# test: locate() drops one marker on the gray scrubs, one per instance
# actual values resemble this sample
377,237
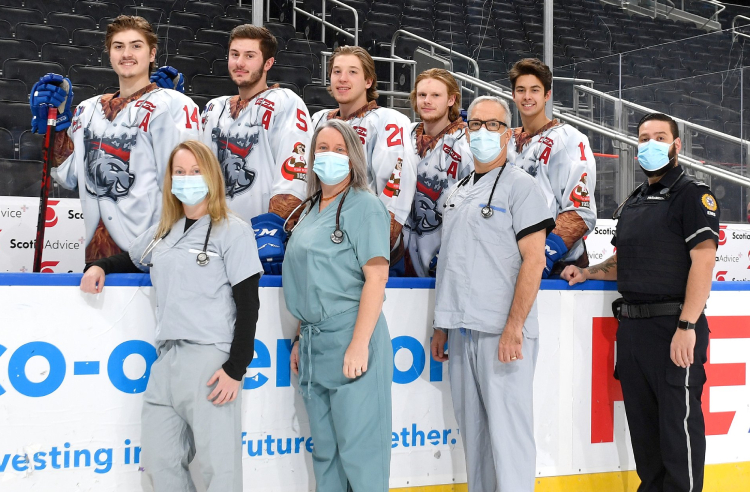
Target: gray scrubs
195,315
476,278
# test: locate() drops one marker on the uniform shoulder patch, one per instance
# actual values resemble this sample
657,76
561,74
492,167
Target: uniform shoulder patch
709,202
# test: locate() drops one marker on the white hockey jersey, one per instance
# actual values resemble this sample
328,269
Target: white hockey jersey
118,166
262,152
445,163
390,168
561,160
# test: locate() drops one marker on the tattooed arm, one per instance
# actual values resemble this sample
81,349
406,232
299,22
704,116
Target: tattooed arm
606,270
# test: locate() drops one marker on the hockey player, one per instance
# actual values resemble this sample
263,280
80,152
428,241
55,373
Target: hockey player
260,137
560,158
115,147
351,71
443,158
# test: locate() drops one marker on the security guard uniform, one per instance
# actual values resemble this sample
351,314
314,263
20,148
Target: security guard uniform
658,226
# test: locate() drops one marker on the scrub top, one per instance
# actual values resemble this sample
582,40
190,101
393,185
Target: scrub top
479,258
195,302
322,279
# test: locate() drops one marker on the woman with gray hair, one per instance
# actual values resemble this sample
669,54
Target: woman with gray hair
334,275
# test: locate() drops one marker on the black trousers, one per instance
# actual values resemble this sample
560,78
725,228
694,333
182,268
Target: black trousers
663,404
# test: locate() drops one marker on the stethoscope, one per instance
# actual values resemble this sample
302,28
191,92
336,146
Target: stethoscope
487,211
337,236
202,259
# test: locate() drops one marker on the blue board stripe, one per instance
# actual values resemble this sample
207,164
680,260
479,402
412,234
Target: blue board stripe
143,280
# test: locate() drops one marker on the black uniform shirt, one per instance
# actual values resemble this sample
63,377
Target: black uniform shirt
693,215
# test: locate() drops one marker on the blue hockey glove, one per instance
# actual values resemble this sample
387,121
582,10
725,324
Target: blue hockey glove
270,236
169,78
554,250
52,90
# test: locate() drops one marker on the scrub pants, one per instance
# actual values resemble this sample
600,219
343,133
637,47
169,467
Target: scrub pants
350,419
178,422
493,403
663,403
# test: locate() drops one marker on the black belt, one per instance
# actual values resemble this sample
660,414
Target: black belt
635,311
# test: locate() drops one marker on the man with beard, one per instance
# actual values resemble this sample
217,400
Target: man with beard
666,238
115,148
560,158
259,137
390,167
444,158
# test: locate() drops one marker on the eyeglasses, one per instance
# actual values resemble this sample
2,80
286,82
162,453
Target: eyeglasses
491,125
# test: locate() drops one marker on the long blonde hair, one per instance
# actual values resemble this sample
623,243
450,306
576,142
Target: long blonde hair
354,148
172,209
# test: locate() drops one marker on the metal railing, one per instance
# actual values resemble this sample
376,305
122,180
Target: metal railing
325,23
720,7
616,135
735,32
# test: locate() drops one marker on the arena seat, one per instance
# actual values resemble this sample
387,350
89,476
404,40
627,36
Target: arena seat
81,92
15,15
190,66
190,20
213,36
13,90
47,6
99,77
222,23
306,46
97,10
285,85
15,117
30,146
280,30
176,33
6,30
210,9
41,34
295,59
212,84
209,51
68,55
88,37
243,12
71,22
20,49
299,76
220,68
318,95
7,145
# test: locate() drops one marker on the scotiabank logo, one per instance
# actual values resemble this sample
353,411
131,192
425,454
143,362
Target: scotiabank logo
605,389
722,235
50,216
720,275
48,266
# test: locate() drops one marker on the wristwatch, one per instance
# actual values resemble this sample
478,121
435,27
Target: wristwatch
685,325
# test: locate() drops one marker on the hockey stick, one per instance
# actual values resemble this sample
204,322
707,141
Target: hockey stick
47,151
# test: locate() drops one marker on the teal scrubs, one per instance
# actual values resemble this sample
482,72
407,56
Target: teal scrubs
350,419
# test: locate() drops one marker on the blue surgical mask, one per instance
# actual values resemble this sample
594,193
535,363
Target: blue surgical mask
331,167
190,190
653,155
485,145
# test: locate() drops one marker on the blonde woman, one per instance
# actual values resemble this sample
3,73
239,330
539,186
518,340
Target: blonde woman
334,273
204,267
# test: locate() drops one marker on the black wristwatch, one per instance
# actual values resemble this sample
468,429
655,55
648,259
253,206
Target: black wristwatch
296,339
685,325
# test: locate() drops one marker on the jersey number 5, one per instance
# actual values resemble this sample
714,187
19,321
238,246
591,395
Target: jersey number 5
189,117
397,135
301,123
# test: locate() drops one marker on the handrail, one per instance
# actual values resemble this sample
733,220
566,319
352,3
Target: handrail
688,124
720,7
735,32
432,45
325,23
613,134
